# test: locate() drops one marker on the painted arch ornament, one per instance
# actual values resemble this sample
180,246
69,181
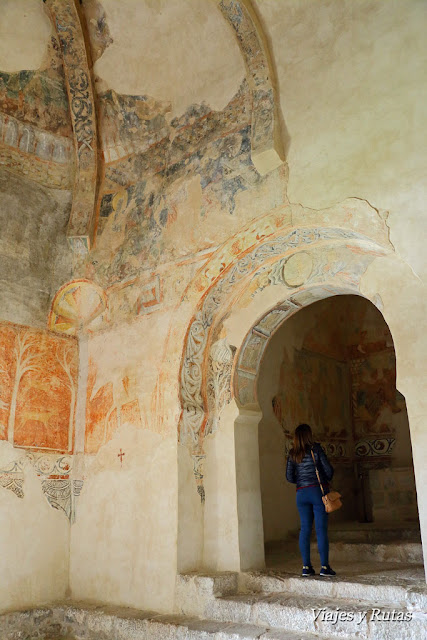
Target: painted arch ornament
334,261
79,306
65,15
267,147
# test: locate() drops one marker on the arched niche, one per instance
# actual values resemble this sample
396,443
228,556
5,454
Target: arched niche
220,515
332,365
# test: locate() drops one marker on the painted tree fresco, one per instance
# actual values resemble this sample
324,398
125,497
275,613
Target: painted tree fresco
119,402
38,386
65,356
101,414
7,373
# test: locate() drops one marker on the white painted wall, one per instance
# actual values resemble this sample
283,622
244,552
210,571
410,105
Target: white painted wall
188,51
25,30
34,544
123,544
352,89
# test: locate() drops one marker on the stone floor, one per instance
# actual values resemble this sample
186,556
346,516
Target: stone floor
379,581
275,604
352,543
365,601
385,570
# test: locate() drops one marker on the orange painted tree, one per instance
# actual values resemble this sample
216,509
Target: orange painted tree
28,359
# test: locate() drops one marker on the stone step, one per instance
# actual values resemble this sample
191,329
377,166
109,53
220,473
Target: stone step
278,600
114,623
245,617
370,533
407,552
325,616
184,628
371,589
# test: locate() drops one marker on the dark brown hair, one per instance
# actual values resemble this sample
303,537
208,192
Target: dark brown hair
303,441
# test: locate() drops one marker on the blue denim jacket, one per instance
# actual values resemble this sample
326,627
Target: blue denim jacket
303,474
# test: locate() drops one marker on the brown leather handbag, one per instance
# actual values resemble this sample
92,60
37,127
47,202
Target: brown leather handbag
331,500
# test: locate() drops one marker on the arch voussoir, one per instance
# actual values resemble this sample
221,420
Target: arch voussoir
304,264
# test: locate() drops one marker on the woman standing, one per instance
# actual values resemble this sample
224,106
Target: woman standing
300,470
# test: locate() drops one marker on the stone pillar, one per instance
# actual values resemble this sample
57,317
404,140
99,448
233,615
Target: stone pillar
221,525
249,506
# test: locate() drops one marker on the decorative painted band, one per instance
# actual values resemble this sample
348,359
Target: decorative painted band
192,374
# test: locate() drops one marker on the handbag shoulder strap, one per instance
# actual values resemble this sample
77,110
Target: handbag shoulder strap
317,472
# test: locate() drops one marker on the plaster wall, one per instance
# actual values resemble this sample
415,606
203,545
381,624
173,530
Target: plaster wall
25,30
352,92
222,513
124,541
123,544
405,309
34,543
249,504
190,539
177,183
196,51
34,256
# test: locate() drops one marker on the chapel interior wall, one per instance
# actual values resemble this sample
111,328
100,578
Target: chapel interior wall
38,392
34,541
159,221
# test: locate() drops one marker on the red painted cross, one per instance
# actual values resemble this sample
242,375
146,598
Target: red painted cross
120,455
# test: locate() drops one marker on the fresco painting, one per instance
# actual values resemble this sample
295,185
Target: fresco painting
192,166
313,389
78,306
38,97
357,332
116,403
131,413
7,374
101,414
342,380
35,124
375,397
38,387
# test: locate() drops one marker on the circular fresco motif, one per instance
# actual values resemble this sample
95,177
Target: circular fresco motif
297,269
78,306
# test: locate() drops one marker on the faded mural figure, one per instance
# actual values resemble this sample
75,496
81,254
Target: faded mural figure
65,357
116,403
101,417
26,355
110,422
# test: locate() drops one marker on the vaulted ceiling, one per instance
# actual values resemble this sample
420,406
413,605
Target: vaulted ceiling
95,96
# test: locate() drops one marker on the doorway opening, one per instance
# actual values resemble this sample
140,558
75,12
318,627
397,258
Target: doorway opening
333,365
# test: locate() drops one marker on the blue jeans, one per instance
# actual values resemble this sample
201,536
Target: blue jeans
310,506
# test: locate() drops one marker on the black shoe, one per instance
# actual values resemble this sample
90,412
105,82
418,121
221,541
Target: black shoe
327,571
308,571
